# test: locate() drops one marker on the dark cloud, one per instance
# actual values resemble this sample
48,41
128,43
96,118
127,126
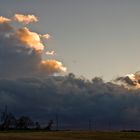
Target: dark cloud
75,100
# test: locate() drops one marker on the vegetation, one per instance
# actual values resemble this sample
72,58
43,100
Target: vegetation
70,135
24,128
10,122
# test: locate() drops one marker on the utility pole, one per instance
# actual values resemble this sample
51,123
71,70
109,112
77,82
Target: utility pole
94,125
57,125
109,125
6,110
89,125
4,113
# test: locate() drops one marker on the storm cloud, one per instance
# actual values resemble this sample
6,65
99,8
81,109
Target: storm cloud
76,100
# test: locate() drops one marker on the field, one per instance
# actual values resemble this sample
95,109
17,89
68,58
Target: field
70,135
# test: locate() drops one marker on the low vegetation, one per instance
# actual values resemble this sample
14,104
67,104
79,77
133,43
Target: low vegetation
70,135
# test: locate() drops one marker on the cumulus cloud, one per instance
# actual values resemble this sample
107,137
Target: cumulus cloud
50,52
130,80
21,51
52,66
25,19
30,39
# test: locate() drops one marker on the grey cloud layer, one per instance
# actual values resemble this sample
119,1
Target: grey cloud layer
72,98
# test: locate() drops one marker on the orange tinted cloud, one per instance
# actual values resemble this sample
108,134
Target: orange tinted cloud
46,36
26,19
135,78
131,81
50,52
30,39
20,38
4,20
52,66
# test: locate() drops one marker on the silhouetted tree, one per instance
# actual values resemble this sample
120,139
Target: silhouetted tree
37,126
49,127
9,121
24,122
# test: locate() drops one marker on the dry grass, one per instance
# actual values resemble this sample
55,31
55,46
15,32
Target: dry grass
70,135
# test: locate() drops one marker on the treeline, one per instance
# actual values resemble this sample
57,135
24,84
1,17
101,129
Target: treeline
10,122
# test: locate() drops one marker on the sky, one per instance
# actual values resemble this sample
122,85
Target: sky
91,37
47,46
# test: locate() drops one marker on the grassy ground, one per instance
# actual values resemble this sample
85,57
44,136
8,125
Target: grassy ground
70,135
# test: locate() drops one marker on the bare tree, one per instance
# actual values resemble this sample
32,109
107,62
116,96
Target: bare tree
24,122
49,127
37,126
